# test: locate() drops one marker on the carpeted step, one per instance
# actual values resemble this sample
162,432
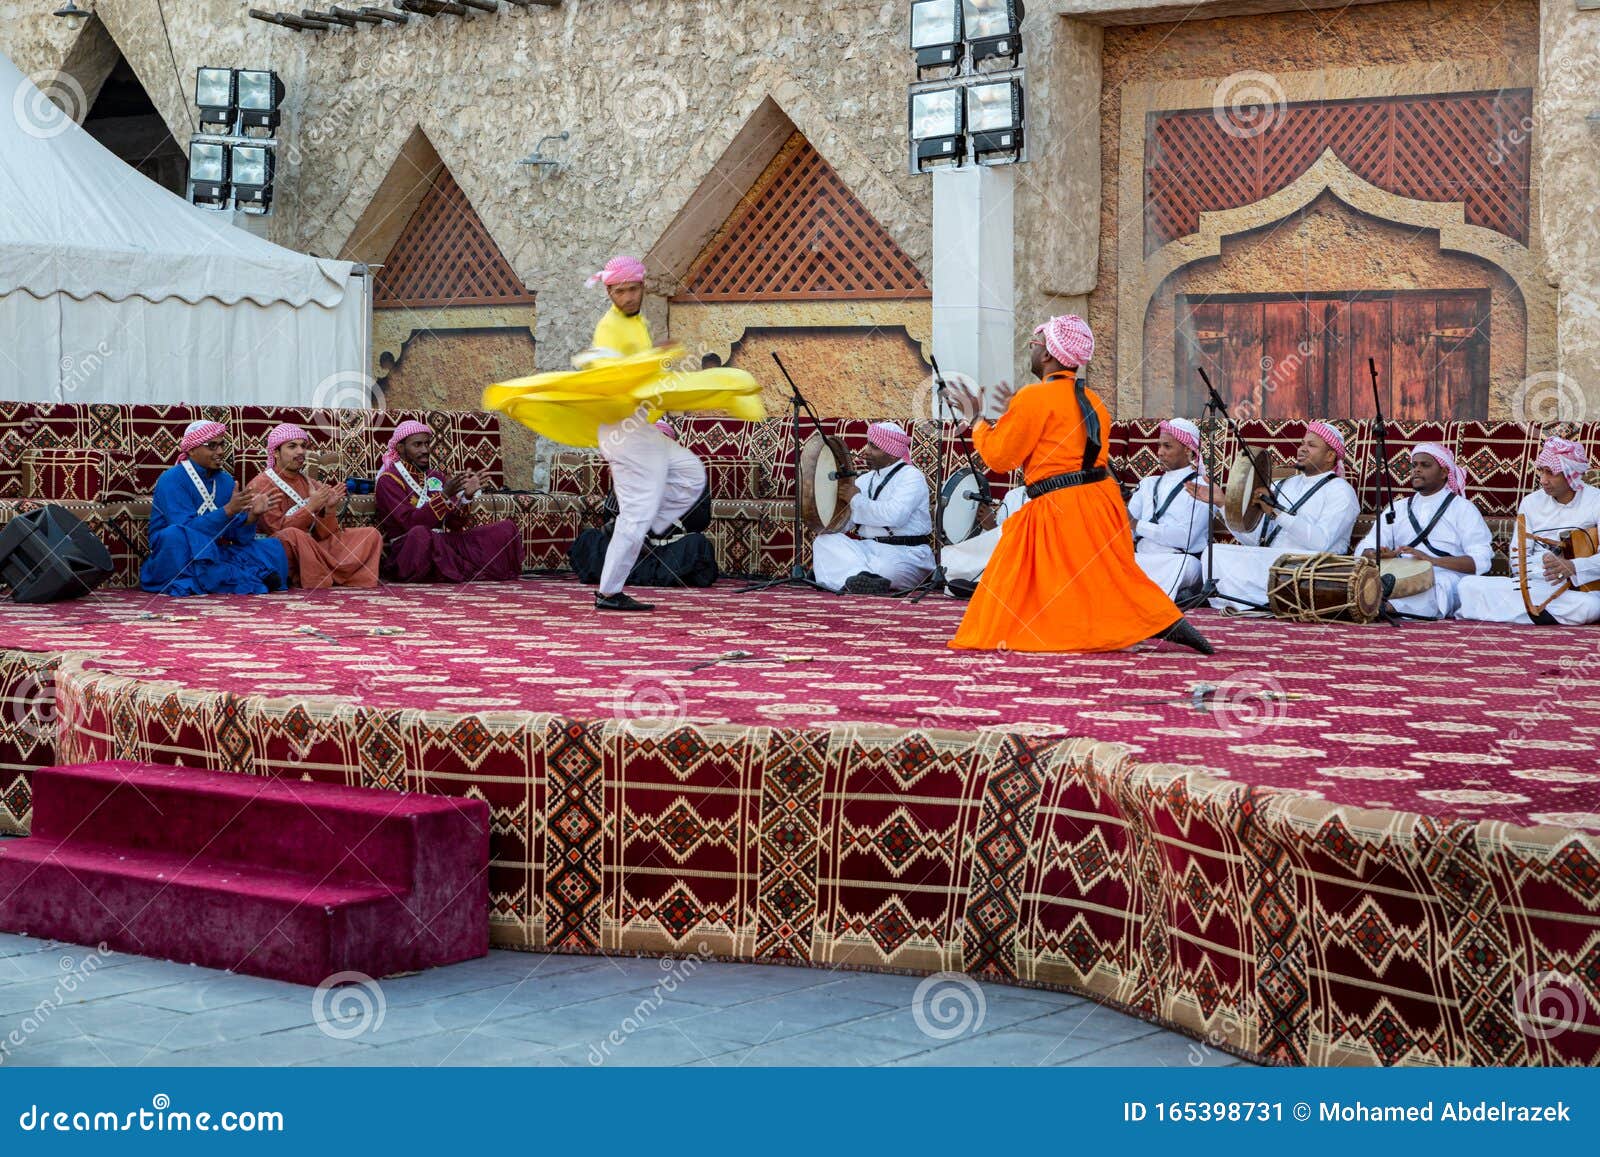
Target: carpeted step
272,877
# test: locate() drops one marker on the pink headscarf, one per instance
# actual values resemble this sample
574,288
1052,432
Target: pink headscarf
1566,458
1068,339
401,432
278,435
1333,438
1184,431
891,438
198,434
1455,476
619,270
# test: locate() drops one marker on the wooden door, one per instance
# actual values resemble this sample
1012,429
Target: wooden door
1285,356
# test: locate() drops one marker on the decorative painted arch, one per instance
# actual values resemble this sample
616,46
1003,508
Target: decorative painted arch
1327,175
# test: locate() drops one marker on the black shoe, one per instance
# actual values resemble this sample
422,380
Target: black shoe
961,588
620,601
1545,619
1386,581
1183,633
866,583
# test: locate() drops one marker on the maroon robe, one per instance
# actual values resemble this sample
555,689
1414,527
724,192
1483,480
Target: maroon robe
434,541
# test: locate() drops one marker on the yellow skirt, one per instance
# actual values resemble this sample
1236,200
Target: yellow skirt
570,406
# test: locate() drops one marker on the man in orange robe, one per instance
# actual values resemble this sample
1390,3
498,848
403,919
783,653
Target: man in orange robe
303,515
1063,577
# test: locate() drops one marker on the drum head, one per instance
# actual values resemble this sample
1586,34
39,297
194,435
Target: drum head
959,507
1412,576
820,504
1244,476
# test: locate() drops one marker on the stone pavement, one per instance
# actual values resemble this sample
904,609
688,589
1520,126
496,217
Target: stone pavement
65,1005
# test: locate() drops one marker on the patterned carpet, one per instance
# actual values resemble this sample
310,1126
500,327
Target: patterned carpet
1463,720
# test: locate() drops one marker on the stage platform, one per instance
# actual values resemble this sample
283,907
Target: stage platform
1367,845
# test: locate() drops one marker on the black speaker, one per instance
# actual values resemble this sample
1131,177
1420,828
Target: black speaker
48,554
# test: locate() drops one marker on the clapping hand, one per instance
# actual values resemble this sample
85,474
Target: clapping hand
239,503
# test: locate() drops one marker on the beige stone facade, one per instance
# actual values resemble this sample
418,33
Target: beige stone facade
666,99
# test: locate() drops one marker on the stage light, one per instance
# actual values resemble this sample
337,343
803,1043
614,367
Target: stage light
936,33
252,168
260,94
214,94
935,116
993,28
994,118
208,173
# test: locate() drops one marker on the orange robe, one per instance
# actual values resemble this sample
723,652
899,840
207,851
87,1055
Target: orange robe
1063,577
321,553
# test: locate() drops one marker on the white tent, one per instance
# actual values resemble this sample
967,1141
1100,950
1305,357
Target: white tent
113,289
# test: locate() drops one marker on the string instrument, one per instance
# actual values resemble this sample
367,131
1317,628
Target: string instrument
1581,543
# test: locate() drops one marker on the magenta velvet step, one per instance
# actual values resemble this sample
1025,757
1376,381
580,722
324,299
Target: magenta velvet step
271,877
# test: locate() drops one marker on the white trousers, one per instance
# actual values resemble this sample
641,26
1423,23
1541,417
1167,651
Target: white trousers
1176,573
964,561
1499,600
1242,574
836,557
656,481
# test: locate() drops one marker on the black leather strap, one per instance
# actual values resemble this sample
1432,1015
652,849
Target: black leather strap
1091,422
1172,496
1062,481
1424,531
1271,536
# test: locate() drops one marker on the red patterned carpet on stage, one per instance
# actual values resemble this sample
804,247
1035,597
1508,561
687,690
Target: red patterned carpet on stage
1457,719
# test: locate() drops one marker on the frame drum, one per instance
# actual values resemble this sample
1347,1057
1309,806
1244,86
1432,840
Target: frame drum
824,496
959,506
1244,477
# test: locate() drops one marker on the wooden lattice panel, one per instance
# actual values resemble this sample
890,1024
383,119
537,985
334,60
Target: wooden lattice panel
445,256
1468,147
801,235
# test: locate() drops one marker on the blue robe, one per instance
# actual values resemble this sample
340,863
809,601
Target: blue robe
206,554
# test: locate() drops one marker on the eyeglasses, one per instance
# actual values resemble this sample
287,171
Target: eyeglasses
215,446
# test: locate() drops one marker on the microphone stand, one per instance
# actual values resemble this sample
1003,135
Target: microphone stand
1383,492
797,572
936,581
1213,407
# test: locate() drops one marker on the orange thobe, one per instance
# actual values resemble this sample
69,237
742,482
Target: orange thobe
1063,577
321,553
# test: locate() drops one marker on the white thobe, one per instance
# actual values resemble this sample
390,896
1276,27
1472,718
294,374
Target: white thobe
1322,525
657,481
964,561
1499,599
1461,530
1167,548
888,503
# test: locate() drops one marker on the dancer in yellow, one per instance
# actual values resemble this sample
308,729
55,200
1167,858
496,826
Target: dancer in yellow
623,384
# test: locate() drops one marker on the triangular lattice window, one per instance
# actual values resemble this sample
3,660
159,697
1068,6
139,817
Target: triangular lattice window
445,256
801,234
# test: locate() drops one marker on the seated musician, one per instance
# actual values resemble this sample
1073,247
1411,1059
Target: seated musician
1436,523
964,561
427,527
203,538
304,517
1311,512
890,549
1169,526
1562,504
